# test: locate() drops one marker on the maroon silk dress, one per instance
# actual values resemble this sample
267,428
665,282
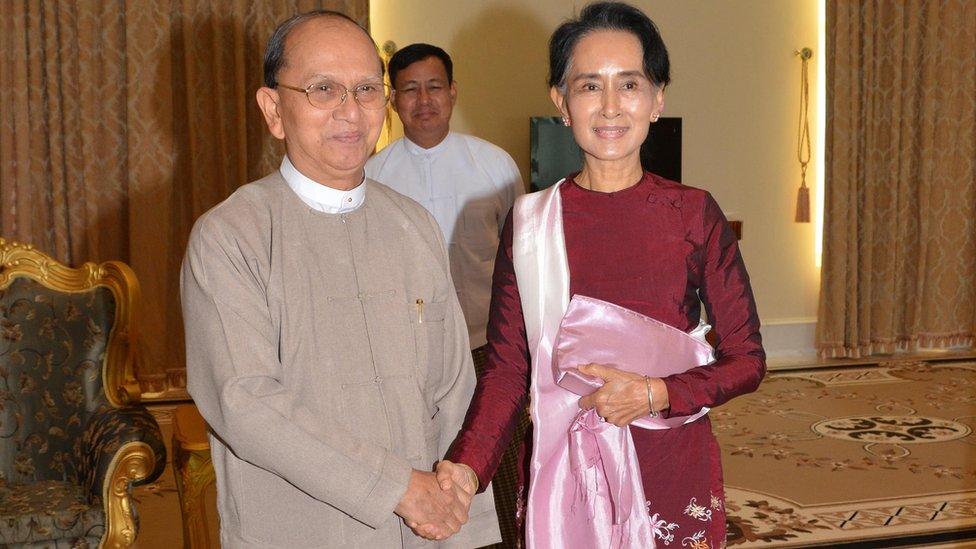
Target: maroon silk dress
657,248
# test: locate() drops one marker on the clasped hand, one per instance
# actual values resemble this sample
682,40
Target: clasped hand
623,397
436,504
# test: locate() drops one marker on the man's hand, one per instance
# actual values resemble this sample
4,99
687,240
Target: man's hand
430,512
623,397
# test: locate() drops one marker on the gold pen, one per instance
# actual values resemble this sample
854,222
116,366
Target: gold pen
420,311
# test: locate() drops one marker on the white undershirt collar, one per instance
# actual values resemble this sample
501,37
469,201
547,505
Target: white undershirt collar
414,148
321,197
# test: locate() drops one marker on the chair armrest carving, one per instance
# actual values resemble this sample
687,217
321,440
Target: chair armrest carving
122,448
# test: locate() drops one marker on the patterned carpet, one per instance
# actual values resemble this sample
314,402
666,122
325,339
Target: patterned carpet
860,455
866,457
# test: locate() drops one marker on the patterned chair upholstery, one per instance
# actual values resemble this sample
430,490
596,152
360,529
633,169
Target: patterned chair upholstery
73,440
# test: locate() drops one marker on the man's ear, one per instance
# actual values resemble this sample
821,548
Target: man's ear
268,102
453,92
393,101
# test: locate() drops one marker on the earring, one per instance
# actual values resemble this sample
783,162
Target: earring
655,117
565,121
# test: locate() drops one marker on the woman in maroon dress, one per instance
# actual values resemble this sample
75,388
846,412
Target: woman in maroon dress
642,242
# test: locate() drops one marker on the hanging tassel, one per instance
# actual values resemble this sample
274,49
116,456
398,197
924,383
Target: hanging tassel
803,204
803,139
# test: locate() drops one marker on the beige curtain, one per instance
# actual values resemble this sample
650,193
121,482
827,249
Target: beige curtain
899,265
121,122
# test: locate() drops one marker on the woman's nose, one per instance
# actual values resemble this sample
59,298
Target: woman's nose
611,104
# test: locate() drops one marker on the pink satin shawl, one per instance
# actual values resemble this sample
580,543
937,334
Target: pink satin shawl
599,332
585,488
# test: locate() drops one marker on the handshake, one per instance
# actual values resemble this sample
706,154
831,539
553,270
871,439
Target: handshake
436,504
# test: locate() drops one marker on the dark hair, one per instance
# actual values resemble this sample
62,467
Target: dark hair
274,54
418,52
609,16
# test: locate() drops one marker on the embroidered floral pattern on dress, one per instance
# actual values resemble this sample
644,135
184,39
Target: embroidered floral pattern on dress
663,530
697,511
716,502
696,541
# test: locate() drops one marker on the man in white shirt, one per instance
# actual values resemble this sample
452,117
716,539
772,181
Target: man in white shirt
466,183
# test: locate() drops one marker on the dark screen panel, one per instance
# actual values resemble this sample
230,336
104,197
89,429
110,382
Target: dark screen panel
554,153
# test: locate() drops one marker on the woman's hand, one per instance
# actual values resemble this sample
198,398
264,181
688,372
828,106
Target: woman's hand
450,474
623,397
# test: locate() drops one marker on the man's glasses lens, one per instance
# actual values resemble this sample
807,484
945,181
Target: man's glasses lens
328,95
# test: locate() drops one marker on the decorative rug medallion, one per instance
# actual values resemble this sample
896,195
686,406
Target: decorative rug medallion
892,429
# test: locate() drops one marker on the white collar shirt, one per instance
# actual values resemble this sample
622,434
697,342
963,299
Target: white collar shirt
321,197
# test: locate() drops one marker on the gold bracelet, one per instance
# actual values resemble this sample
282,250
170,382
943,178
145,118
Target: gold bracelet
650,396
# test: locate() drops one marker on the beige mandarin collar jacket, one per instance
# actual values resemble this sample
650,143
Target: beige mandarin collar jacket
329,355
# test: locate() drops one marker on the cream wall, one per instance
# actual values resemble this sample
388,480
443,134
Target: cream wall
735,83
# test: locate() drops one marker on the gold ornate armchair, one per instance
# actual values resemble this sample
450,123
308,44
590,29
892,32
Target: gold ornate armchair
73,440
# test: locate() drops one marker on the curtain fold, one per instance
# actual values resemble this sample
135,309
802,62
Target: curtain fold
899,264
121,122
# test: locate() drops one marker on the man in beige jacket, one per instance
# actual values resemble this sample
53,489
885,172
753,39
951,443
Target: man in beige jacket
325,344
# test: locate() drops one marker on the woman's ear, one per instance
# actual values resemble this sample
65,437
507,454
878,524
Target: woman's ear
659,99
559,99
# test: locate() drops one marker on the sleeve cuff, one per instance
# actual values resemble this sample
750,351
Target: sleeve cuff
385,493
483,480
678,401
479,466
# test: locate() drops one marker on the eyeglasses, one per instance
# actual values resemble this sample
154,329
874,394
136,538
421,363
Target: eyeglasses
330,95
